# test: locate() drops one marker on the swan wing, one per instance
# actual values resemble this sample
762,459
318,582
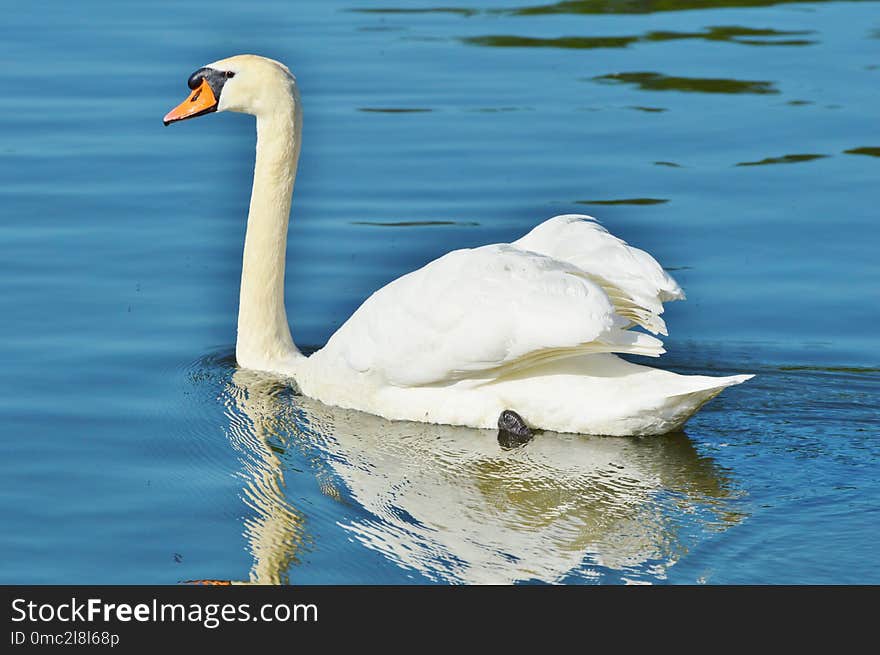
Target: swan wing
479,314
636,284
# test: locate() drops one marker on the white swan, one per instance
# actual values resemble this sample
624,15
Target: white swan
528,326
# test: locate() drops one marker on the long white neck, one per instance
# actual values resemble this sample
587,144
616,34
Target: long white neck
264,341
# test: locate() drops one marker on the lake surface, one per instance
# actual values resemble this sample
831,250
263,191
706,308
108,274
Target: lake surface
738,141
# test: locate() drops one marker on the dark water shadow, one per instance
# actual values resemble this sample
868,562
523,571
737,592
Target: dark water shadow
638,6
870,151
728,34
833,369
395,110
415,223
625,201
461,11
586,7
785,159
650,81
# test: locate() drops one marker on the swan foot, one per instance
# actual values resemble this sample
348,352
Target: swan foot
512,430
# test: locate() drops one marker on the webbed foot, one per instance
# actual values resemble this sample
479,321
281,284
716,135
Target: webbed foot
512,430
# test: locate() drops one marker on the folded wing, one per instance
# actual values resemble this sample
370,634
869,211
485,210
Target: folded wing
478,314
636,284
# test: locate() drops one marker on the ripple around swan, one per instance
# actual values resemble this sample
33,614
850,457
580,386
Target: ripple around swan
450,504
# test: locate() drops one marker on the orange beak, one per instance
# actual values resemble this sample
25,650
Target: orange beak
202,101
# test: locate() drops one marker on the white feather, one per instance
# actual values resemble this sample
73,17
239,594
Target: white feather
637,285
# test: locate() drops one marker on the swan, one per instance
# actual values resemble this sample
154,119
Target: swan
526,333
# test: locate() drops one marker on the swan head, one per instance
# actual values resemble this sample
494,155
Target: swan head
249,84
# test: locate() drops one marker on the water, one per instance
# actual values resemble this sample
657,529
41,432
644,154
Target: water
736,141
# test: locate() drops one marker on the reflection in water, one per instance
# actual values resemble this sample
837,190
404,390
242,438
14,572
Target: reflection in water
453,505
414,223
275,530
508,41
395,110
659,82
832,369
785,159
586,7
625,201
867,150
730,34
462,11
638,6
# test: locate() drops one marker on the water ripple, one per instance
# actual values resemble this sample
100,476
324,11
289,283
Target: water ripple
650,81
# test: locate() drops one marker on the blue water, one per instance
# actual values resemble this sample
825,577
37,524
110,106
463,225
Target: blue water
739,145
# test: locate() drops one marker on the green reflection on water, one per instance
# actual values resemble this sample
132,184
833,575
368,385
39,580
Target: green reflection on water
414,223
658,82
587,7
461,11
585,42
833,369
785,159
864,150
725,33
625,201
638,6
394,110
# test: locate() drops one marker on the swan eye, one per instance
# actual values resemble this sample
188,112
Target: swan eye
229,74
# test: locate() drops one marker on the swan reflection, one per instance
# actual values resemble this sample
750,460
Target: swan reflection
455,506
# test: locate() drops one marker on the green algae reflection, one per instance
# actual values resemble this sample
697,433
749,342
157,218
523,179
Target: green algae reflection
636,6
658,82
724,33
585,7
870,151
785,159
625,201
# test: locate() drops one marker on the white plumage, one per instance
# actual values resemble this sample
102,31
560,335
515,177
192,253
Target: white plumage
529,326
479,314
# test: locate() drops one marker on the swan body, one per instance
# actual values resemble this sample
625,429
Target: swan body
533,326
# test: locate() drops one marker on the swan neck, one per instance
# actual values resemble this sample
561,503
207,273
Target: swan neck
264,340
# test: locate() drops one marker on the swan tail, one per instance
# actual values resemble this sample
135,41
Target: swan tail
678,408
